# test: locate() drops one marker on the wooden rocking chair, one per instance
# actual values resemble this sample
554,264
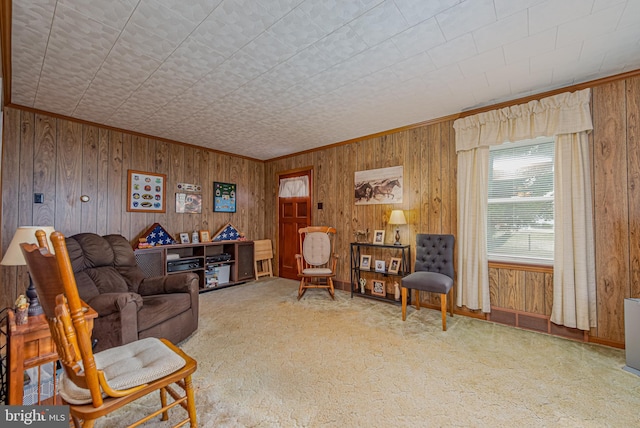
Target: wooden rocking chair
317,259
97,384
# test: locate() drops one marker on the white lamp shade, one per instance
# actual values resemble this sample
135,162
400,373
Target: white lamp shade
13,256
397,217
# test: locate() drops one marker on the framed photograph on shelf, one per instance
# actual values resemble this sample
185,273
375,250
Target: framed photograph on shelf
394,265
365,261
378,237
204,236
146,192
224,197
184,238
378,288
380,266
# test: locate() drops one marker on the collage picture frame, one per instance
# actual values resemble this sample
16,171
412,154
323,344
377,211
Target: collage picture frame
378,288
146,192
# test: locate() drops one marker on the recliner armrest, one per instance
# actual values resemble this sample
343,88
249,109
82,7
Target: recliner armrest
109,303
178,283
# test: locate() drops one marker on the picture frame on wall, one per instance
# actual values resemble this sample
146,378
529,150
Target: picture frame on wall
146,192
224,197
188,203
379,186
378,288
378,237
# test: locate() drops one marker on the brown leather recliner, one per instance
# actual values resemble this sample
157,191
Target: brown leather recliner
130,306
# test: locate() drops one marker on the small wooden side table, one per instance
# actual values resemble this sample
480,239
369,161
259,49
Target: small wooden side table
30,345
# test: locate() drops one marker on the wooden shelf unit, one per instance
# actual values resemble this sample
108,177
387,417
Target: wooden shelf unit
203,259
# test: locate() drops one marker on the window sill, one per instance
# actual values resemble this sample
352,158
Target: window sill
529,267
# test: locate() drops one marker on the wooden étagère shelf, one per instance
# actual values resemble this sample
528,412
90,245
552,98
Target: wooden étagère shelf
378,252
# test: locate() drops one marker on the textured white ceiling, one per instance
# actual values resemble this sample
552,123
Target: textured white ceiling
267,78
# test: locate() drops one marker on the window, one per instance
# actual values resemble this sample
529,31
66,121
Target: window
520,205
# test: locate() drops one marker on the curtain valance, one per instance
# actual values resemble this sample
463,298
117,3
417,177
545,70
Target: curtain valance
564,113
295,187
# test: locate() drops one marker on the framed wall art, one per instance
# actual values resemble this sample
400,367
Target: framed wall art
224,197
379,186
189,203
146,192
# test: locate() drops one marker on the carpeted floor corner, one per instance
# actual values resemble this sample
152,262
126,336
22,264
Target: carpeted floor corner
266,359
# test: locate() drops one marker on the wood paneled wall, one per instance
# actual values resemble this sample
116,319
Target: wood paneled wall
64,159
429,200
429,162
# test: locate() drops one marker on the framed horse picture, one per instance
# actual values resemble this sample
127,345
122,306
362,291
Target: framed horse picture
379,186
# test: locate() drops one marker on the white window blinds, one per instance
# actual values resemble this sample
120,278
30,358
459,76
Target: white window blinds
520,216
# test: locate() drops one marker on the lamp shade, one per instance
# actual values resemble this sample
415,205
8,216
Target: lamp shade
397,217
13,256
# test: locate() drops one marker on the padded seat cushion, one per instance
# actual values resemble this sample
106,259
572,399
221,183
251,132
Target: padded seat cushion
428,281
316,271
316,248
133,364
158,308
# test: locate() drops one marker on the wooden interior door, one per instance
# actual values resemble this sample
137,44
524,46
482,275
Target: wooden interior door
293,213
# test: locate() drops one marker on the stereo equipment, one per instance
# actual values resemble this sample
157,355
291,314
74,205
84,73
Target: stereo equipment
178,265
222,257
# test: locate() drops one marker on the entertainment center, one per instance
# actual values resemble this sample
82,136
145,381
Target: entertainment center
218,264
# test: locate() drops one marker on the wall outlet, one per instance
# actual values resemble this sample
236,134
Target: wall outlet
38,198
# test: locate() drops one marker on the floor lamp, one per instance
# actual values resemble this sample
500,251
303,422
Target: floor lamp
14,257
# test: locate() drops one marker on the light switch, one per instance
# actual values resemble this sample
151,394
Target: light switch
38,198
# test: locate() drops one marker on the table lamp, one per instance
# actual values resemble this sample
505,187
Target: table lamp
14,257
397,218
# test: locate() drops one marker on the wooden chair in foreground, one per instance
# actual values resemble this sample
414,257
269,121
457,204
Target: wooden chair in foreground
317,259
433,271
97,384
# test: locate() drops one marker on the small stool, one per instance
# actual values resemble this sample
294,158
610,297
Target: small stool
262,257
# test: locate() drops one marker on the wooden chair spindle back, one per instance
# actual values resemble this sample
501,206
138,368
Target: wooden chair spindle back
55,283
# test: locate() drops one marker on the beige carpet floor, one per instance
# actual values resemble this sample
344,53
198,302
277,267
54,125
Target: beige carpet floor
268,360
